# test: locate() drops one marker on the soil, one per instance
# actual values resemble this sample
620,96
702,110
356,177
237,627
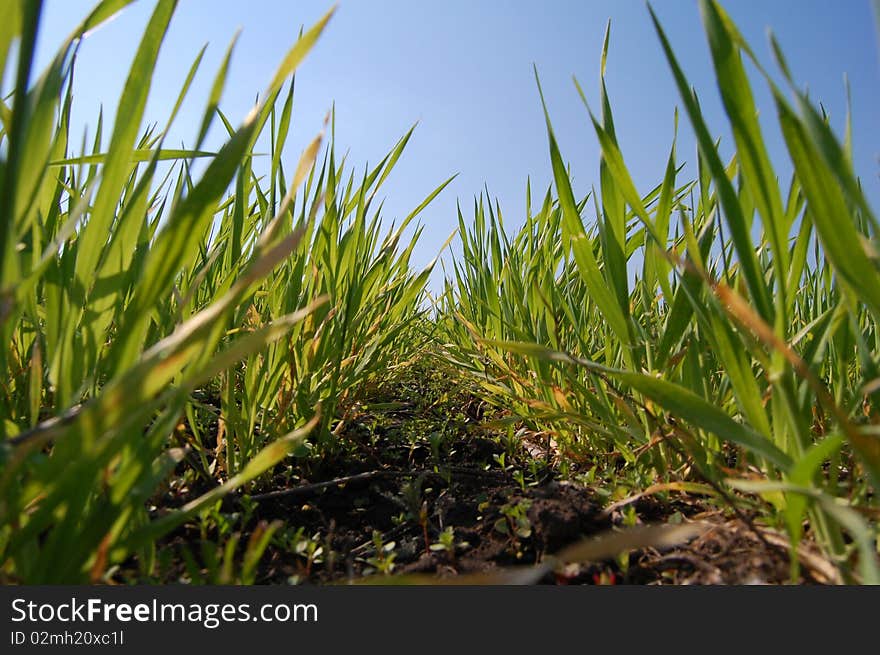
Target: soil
389,511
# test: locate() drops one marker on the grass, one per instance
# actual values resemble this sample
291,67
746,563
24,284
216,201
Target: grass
220,335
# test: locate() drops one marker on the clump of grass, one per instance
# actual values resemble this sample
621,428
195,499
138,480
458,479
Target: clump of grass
153,322
743,353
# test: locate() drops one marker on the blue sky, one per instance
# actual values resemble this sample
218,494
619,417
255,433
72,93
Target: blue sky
463,70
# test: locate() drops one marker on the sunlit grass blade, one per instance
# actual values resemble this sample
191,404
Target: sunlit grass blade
580,243
726,193
122,143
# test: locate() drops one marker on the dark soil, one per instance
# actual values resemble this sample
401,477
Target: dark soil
448,511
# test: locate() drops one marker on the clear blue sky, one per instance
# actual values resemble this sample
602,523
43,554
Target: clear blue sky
463,70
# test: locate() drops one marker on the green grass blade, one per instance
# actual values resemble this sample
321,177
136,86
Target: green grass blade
727,196
116,169
754,161
580,243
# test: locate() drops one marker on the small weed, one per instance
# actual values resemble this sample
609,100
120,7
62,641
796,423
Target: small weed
384,555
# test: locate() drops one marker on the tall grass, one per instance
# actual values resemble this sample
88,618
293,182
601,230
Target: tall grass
743,355
156,323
